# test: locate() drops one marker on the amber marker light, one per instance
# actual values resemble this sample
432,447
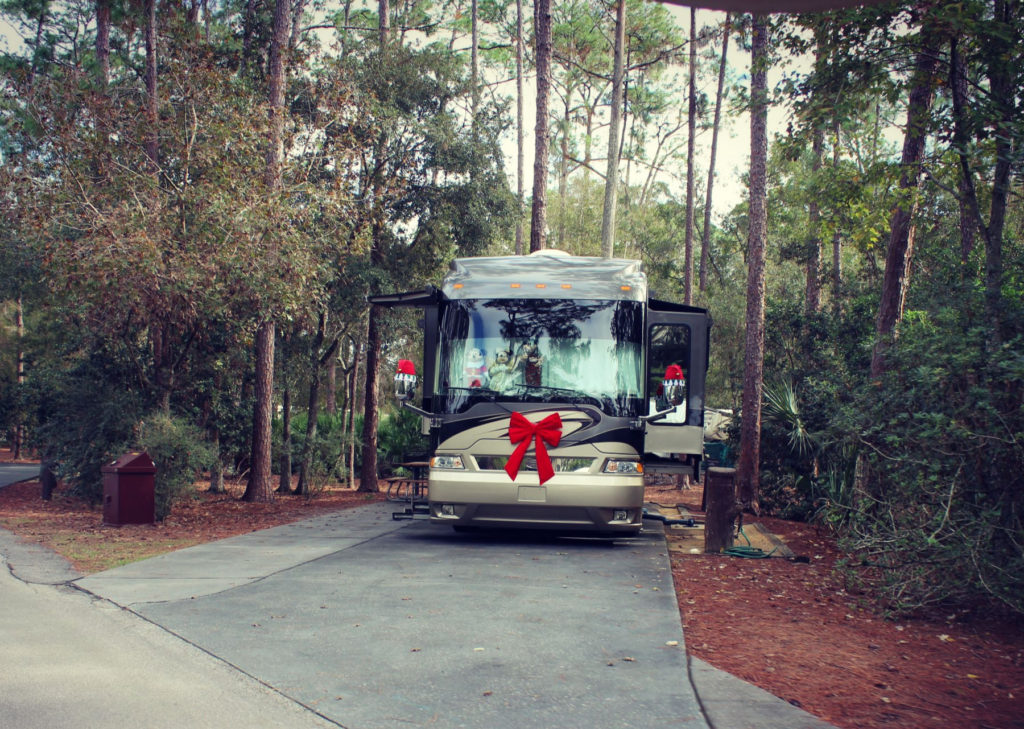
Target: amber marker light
625,288
458,286
542,286
516,286
566,286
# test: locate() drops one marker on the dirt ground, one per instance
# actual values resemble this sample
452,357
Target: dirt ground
789,626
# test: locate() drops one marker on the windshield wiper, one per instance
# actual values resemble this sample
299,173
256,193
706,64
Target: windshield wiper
483,391
568,394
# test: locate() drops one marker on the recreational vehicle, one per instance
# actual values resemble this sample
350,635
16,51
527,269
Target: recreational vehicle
551,384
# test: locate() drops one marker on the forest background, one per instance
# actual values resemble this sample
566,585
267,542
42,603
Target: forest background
198,197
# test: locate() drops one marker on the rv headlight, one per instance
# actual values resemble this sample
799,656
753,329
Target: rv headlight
446,462
623,468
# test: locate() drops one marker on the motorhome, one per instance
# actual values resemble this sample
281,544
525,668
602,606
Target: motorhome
550,384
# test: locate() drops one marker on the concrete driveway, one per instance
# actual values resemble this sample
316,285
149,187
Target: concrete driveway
374,623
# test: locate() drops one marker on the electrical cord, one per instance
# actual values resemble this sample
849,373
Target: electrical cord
688,521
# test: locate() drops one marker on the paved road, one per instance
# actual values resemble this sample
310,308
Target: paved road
356,620
15,472
70,660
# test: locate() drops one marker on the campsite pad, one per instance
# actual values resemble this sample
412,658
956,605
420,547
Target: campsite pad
690,540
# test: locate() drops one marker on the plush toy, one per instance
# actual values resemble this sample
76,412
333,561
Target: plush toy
532,362
503,371
476,368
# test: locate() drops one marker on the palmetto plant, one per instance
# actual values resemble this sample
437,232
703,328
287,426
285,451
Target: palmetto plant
781,408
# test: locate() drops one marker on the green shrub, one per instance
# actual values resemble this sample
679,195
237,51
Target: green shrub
86,418
179,453
397,436
936,513
327,449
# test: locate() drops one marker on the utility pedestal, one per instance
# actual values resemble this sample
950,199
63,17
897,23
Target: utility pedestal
722,508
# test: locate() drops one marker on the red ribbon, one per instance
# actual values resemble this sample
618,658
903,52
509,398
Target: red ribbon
522,431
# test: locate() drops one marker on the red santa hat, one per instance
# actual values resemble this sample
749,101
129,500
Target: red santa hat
405,367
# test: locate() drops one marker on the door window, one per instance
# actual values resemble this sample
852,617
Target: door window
668,352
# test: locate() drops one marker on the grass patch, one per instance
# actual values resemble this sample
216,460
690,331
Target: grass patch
96,552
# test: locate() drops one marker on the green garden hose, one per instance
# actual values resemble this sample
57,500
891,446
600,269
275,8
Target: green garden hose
747,552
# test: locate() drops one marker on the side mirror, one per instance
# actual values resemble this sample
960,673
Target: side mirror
675,391
405,380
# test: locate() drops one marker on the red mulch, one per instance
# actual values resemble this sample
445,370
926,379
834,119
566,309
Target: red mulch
796,630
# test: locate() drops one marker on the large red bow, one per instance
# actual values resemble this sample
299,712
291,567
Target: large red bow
522,431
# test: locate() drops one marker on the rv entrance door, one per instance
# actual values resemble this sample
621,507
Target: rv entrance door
677,338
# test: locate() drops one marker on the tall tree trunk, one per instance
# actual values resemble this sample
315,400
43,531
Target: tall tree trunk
103,40
298,7
474,62
901,228
37,44
998,58
259,488
217,467
611,180
748,465
958,87
152,136
563,163
312,409
331,406
520,144
690,171
353,383
368,473
304,487
248,31
705,244
278,78
812,291
837,240
384,22
284,484
542,34
343,36
19,327
317,362
163,367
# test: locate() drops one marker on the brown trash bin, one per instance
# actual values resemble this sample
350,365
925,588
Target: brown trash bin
129,490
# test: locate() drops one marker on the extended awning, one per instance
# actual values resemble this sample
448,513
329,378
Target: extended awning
425,297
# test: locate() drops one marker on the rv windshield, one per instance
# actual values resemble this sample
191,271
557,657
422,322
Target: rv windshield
542,350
